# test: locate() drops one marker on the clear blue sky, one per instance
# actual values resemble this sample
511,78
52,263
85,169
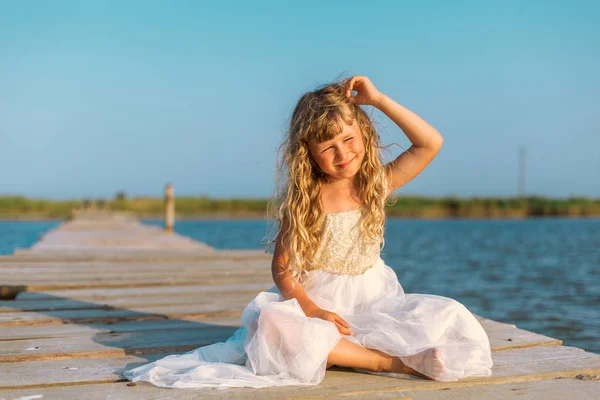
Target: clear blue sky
102,96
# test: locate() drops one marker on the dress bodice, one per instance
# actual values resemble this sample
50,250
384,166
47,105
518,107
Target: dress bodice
343,249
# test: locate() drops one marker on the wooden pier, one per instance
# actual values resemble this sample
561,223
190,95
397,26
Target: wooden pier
103,293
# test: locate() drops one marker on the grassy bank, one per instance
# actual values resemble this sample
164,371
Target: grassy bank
19,207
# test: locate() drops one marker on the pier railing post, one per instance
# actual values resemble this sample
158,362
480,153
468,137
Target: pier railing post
169,208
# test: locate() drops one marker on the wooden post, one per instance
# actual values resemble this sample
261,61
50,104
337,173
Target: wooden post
169,208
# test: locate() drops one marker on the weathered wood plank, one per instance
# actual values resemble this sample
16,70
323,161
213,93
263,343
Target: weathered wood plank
67,330
555,389
121,271
99,235
127,255
158,280
138,313
511,338
189,335
133,276
127,302
64,330
236,302
88,268
58,285
493,324
136,292
510,366
197,334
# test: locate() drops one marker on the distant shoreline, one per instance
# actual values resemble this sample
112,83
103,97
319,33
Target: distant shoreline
20,208
254,217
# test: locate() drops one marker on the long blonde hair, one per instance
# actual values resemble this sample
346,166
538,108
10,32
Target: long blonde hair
318,115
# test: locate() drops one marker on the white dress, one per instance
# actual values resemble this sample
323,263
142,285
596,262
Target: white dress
279,345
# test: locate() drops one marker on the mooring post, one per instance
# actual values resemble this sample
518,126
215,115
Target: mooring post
169,208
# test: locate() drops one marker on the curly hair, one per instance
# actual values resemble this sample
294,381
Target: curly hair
318,115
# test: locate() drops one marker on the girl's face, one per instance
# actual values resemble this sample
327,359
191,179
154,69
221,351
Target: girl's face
342,156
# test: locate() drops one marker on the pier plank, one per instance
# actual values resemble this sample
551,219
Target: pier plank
510,366
67,330
188,335
15,332
251,276
110,293
233,305
127,255
124,302
88,268
115,344
59,285
236,302
554,389
173,296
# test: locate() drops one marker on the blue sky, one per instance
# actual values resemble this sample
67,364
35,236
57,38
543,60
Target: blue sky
102,96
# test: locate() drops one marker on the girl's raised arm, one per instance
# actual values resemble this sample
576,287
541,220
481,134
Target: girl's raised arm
426,140
426,143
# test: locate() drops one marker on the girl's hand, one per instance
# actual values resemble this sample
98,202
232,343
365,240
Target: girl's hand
339,322
367,93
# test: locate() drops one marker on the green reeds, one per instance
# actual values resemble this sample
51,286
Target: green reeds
206,207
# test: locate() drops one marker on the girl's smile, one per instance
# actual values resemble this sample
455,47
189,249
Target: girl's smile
344,165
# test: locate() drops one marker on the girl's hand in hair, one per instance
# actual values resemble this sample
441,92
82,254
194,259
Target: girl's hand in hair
339,322
367,93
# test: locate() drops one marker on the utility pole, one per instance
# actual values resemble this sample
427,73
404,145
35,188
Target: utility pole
521,172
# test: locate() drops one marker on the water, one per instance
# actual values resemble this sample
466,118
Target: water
541,274
22,234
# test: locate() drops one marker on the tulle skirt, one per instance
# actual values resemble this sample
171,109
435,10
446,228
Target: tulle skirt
279,345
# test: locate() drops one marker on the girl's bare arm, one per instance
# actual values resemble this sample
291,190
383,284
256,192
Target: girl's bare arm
286,283
426,142
291,288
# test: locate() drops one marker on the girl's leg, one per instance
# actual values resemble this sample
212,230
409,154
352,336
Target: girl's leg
277,325
348,354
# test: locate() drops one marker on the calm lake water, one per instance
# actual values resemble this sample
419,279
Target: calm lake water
541,274
22,234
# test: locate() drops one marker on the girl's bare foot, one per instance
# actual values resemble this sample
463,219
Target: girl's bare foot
395,365
399,367
428,362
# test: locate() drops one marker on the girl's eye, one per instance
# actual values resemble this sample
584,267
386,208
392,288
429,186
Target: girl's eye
331,147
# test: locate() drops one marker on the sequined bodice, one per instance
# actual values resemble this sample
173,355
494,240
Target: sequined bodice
343,250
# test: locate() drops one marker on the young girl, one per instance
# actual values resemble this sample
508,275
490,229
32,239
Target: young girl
335,301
